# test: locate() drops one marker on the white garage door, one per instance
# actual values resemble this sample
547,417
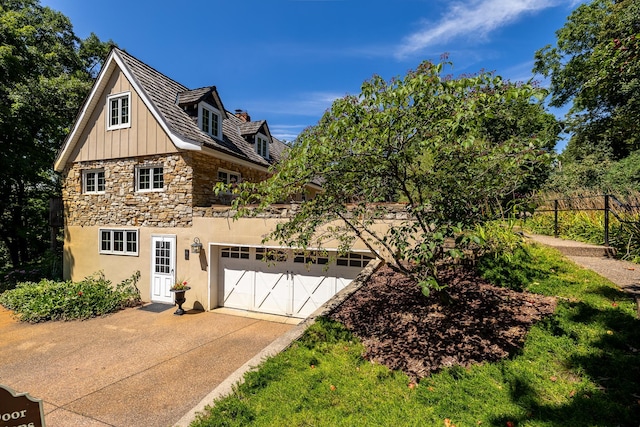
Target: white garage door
288,283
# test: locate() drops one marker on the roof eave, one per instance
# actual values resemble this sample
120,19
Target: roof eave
82,117
92,100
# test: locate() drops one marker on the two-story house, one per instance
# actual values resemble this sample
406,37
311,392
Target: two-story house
138,168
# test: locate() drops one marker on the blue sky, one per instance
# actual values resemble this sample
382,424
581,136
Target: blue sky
286,60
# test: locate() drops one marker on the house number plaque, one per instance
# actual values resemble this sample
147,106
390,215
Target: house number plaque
19,409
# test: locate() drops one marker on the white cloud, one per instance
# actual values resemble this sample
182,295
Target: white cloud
472,18
314,103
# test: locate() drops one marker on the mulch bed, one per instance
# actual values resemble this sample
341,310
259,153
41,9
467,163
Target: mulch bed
404,330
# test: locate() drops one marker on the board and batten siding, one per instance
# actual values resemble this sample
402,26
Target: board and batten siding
144,137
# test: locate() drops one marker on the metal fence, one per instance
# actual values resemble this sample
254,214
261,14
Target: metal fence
607,203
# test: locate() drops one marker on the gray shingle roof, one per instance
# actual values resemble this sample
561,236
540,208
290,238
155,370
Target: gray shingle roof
194,96
250,128
168,95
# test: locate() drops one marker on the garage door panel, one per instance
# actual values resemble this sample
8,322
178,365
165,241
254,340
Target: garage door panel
342,283
238,289
310,292
289,284
271,293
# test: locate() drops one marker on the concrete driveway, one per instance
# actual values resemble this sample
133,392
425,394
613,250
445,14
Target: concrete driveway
140,366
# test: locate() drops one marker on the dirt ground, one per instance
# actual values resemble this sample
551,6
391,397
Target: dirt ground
406,331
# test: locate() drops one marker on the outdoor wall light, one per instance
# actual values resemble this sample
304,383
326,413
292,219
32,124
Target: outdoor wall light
196,246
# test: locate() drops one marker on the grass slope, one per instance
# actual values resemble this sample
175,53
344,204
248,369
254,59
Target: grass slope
579,367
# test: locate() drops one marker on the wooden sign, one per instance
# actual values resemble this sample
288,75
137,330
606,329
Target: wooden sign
19,409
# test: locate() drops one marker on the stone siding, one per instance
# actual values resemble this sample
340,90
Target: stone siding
205,176
188,190
120,204
189,178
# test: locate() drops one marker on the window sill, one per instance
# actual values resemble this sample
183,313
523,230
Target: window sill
117,127
156,190
119,253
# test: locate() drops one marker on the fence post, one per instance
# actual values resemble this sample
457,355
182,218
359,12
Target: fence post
555,218
606,220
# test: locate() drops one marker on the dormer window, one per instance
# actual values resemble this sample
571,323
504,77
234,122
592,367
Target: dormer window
119,116
262,145
210,121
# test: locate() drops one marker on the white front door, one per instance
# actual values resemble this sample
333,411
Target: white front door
163,268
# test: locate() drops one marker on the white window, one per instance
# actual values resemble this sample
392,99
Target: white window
119,241
271,254
262,145
119,115
227,177
239,252
149,178
354,260
311,257
93,181
210,120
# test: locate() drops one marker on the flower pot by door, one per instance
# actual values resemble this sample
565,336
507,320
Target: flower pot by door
179,299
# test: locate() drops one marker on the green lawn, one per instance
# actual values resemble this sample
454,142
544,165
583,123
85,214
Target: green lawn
580,367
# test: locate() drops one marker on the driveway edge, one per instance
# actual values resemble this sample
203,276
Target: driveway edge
280,344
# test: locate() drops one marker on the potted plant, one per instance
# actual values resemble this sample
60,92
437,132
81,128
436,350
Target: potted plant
179,289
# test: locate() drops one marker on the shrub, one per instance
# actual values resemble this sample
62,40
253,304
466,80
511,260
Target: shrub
495,238
624,176
52,300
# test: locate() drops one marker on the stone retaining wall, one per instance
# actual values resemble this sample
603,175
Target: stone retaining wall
189,179
393,211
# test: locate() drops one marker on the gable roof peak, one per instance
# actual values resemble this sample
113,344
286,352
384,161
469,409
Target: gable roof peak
194,96
163,97
252,128
127,56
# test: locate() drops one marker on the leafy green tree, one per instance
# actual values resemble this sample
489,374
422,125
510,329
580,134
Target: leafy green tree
454,151
573,178
45,73
624,175
595,67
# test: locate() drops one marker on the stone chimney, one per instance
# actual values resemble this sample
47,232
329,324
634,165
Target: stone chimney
243,115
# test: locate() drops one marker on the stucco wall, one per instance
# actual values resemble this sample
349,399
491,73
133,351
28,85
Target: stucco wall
82,258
